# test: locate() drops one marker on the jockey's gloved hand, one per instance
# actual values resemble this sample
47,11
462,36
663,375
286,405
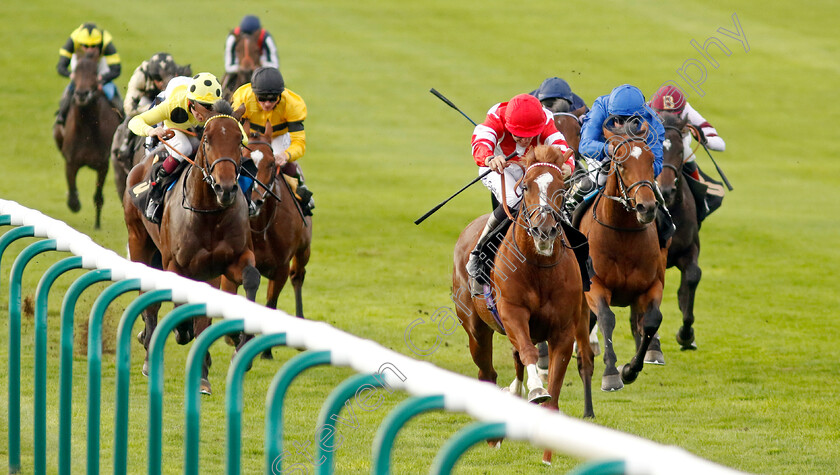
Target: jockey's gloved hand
497,163
701,136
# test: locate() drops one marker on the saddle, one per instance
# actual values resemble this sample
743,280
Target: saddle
708,194
139,193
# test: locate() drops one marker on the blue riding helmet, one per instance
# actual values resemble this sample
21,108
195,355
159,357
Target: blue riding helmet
553,88
249,24
626,100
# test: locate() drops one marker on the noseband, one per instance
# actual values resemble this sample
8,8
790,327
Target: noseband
626,200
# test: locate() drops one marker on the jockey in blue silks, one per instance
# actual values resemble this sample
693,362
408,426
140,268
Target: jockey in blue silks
624,103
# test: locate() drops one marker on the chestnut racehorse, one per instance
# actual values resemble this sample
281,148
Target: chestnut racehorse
281,237
248,53
85,138
628,264
203,233
537,288
685,245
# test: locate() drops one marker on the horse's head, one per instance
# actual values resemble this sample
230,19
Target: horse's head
568,122
219,153
672,156
85,79
260,151
543,194
631,169
248,51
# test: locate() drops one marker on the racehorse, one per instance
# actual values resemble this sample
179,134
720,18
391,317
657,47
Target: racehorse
685,244
85,137
536,286
628,264
203,233
248,53
568,123
280,235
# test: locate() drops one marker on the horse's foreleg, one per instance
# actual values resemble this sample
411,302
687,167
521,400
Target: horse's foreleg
72,192
516,387
276,285
690,279
559,353
297,275
515,320
651,318
597,299
585,358
150,315
98,199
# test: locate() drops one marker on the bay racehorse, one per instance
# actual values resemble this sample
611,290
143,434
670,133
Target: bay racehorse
628,263
536,287
248,51
568,123
85,138
279,232
203,233
684,250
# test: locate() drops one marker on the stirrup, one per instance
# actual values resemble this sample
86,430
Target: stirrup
304,193
152,211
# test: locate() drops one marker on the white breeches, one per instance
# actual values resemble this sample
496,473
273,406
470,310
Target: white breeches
493,182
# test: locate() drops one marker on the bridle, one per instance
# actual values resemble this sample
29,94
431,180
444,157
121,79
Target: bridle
677,169
627,201
270,220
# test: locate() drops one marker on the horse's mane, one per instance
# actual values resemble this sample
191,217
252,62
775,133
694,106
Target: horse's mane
670,120
543,154
630,128
223,107
560,105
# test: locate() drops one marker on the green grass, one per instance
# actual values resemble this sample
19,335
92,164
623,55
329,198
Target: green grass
757,395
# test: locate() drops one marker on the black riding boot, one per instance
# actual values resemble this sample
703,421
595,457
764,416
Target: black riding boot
478,259
64,106
664,223
153,212
579,190
306,202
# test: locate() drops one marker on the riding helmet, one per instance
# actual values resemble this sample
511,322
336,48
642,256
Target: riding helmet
626,100
668,98
249,24
267,81
204,88
525,116
89,35
162,66
553,88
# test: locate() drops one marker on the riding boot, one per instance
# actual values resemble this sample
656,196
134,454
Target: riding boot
63,106
576,194
306,202
476,262
664,223
156,195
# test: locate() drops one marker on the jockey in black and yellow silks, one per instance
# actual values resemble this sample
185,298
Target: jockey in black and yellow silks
83,40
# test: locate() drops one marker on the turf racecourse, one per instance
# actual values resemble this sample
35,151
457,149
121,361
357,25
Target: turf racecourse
759,394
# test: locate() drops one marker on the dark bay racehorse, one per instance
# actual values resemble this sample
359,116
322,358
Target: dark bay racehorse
568,123
85,138
537,288
623,244
280,236
685,245
248,53
204,230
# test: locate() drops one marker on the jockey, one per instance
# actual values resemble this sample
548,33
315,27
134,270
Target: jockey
266,99
268,51
556,95
514,126
671,99
148,80
86,39
186,107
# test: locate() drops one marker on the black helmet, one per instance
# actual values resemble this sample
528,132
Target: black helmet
162,66
267,81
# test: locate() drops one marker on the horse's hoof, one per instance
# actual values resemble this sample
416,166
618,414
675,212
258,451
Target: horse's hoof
627,375
73,203
266,355
141,337
145,370
183,337
611,382
686,343
538,396
494,443
654,357
547,462
205,387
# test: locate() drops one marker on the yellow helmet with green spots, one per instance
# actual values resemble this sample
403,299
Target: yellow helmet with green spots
204,88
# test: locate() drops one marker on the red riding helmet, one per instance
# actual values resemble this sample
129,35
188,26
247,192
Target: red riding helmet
668,98
524,116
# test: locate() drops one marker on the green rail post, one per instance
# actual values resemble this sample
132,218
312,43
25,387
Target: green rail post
274,404
609,467
94,393
14,355
65,398
324,460
15,290
459,443
156,345
383,443
233,394
41,308
5,219
129,316
192,397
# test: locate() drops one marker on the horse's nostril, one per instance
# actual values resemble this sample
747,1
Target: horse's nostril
259,202
234,188
217,188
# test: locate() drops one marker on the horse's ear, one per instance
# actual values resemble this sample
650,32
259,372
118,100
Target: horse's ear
239,112
268,129
643,130
608,133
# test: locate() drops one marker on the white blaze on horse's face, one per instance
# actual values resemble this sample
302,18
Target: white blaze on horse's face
666,144
636,152
256,156
542,182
